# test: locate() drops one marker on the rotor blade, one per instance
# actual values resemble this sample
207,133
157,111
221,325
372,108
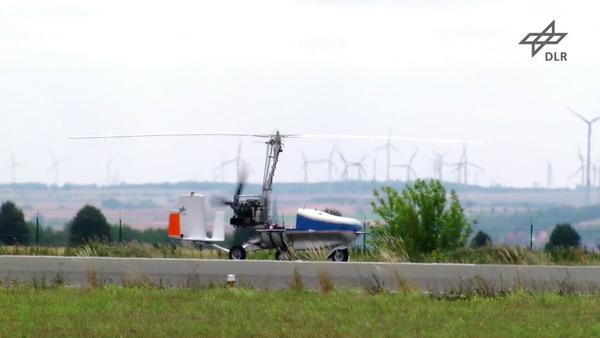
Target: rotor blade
343,158
412,157
332,150
225,163
220,200
169,135
242,177
386,137
578,115
476,166
576,172
335,167
324,160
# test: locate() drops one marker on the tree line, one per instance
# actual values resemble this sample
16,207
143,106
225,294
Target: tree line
89,224
422,218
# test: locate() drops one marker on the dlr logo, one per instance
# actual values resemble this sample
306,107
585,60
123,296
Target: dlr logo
553,56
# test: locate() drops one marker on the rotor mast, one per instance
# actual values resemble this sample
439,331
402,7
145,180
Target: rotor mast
274,147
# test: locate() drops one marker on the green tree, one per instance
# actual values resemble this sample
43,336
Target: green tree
480,240
88,225
13,228
423,216
563,235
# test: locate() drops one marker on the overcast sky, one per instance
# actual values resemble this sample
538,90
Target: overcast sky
419,68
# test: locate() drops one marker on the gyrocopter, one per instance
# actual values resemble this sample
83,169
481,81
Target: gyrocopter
313,229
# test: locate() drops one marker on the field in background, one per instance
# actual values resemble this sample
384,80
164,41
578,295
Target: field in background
504,213
210,312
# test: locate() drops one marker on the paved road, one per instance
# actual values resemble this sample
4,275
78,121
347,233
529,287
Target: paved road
81,271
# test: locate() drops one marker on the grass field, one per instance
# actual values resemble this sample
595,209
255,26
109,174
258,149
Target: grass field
145,311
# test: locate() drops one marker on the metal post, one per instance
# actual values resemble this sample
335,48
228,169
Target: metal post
120,229
37,229
365,224
531,235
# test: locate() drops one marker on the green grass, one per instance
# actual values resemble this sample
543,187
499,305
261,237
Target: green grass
115,311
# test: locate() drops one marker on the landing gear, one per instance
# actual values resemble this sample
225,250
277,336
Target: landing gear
237,252
282,255
339,255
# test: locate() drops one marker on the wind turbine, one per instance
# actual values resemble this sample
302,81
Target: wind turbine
306,163
329,160
388,147
549,175
54,168
438,165
107,171
330,163
375,169
463,164
596,174
581,169
408,166
13,165
360,169
237,160
589,124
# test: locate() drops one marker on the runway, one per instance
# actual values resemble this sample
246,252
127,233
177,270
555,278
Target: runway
84,271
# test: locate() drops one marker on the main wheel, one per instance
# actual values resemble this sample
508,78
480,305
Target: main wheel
339,255
237,252
282,255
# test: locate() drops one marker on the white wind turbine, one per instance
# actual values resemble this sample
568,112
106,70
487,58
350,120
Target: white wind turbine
54,167
360,169
581,169
549,175
410,171
12,166
587,169
388,147
237,160
438,165
462,166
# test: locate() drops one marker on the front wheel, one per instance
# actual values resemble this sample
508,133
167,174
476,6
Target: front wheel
339,255
237,252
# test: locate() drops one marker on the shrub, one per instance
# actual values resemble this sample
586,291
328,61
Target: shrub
481,239
563,236
89,225
423,215
13,228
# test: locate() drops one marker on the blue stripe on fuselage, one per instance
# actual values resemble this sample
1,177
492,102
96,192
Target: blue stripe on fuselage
304,223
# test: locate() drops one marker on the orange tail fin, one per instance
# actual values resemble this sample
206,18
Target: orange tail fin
174,226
